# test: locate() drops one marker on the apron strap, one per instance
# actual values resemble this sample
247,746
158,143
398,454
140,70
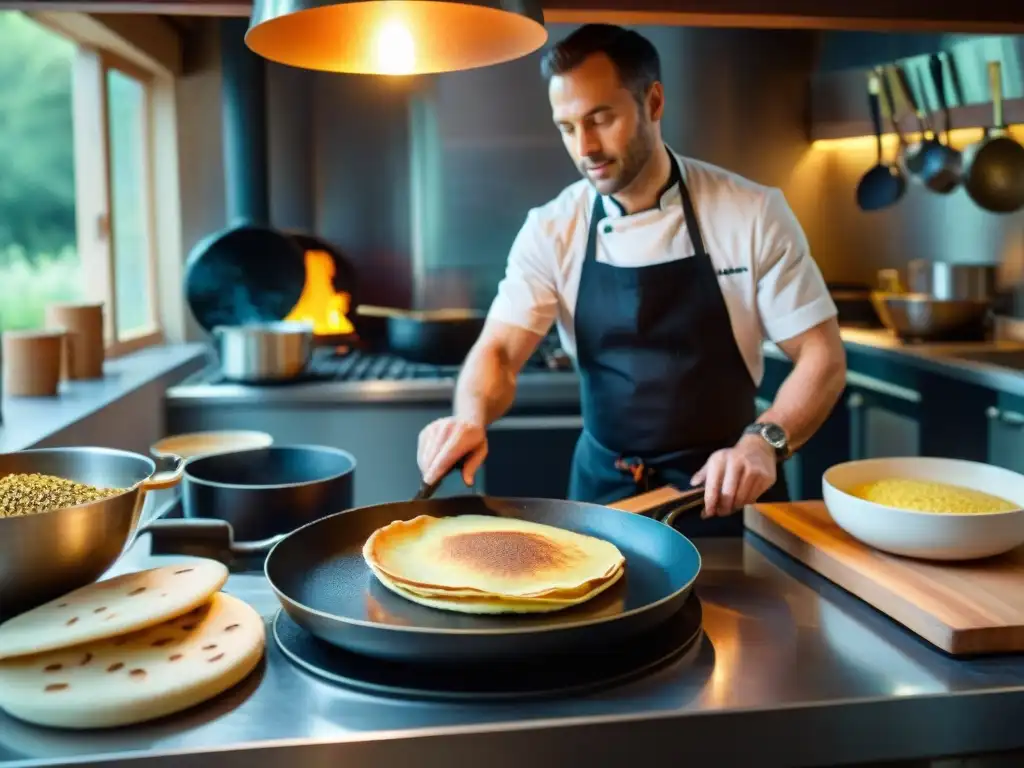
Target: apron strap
690,214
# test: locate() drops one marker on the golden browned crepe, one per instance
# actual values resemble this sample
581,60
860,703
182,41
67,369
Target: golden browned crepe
486,604
483,564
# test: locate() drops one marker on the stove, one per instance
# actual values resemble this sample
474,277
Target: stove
354,365
677,641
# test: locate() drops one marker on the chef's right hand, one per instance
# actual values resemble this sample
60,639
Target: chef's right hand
444,442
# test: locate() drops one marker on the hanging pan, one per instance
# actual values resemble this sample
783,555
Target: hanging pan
994,166
912,152
941,163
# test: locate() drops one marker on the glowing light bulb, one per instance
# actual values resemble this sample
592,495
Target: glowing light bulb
394,49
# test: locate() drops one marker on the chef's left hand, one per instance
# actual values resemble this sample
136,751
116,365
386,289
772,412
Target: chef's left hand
737,476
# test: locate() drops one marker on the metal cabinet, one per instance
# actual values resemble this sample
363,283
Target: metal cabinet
884,418
531,456
1006,433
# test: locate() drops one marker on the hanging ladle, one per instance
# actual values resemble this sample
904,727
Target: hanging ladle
883,184
941,163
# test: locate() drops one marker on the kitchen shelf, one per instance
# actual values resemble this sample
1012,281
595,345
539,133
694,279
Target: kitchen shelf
839,104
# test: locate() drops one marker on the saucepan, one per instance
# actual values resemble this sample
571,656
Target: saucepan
259,353
247,499
48,554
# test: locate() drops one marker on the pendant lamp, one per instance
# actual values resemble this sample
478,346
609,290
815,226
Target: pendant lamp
395,37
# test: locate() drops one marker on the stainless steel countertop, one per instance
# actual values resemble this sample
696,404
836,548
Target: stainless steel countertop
937,357
791,671
562,388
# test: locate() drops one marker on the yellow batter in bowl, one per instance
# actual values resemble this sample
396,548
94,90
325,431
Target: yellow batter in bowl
931,496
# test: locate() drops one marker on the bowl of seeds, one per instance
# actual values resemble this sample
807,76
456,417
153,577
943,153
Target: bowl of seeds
67,514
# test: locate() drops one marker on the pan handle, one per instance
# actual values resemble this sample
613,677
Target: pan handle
665,503
164,478
906,92
427,490
890,103
180,536
938,73
995,81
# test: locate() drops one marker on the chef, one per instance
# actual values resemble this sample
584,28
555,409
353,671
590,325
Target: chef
664,275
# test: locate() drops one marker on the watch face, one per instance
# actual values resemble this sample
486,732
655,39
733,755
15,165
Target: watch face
775,435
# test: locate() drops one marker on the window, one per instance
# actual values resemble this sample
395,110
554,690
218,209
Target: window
39,261
76,200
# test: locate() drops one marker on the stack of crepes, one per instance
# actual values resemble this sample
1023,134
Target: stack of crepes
486,565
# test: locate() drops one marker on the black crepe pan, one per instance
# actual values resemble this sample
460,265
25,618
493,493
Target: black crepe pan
994,167
324,585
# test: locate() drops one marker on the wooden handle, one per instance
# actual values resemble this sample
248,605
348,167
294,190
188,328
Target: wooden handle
654,499
367,310
995,83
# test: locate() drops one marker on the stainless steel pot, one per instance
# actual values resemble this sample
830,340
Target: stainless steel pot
46,555
264,352
953,282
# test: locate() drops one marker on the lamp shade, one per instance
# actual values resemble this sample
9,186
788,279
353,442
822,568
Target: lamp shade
395,37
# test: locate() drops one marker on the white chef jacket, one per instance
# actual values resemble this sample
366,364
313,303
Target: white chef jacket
772,286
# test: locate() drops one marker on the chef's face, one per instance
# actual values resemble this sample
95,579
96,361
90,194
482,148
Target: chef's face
609,134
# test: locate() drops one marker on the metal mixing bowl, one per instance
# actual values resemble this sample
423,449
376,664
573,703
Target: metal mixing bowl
919,316
46,555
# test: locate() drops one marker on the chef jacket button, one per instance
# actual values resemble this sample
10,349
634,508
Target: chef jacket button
608,228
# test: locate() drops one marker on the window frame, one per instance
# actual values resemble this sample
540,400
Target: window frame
94,192
98,49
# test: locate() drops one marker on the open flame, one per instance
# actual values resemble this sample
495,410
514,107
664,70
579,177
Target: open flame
320,305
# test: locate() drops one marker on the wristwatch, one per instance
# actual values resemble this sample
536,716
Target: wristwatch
772,434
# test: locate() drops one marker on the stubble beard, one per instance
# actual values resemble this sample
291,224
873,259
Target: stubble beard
638,152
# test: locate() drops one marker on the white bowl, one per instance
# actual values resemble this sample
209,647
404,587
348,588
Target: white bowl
926,535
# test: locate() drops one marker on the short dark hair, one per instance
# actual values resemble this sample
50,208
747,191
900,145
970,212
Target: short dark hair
633,55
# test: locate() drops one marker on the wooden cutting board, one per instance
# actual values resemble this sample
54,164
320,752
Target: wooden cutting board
962,608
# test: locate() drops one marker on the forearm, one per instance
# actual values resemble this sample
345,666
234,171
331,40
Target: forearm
486,386
808,395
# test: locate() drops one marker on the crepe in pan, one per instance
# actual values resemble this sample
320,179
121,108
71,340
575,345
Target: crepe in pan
493,604
487,559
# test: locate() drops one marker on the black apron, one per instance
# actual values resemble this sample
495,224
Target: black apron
663,384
